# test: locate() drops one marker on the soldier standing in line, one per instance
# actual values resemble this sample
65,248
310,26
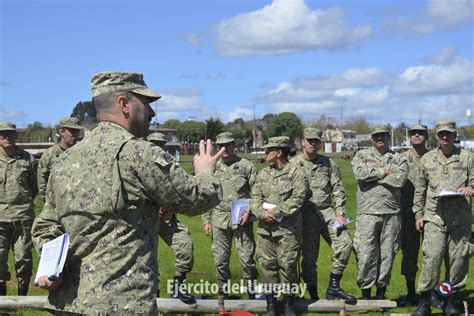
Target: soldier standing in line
237,176
105,192
444,219
17,192
176,235
380,175
69,130
410,237
277,197
319,217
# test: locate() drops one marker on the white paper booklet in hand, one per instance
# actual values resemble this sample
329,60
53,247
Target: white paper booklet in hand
447,193
53,257
270,205
238,209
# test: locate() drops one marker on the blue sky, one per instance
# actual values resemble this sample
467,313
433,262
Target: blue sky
386,61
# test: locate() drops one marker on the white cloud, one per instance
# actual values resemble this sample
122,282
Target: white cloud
245,113
445,55
11,115
286,26
438,15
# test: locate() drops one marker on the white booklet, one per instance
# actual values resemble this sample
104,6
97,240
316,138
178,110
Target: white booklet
447,193
270,205
238,208
53,257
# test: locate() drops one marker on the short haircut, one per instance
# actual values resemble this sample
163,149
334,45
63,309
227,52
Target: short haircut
285,151
104,102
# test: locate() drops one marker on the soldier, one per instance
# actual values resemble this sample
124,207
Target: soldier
237,176
105,192
380,175
319,217
277,197
17,192
444,220
410,238
69,130
175,235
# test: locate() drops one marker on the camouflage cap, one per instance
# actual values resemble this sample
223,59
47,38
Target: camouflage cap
446,125
7,126
112,81
70,122
279,141
224,138
312,133
418,127
157,137
379,129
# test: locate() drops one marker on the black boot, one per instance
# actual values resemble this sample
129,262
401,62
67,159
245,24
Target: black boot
181,292
424,306
410,299
334,291
22,289
449,309
271,302
3,289
313,292
380,294
366,294
436,300
288,306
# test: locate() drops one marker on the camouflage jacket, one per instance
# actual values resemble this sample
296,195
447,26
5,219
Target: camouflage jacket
44,168
438,173
106,192
17,186
408,190
237,179
325,187
287,189
377,193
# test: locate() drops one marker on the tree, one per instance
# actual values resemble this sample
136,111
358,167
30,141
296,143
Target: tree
358,125
191,131
213,128
325,122
285,124
172,123
85,112
35,133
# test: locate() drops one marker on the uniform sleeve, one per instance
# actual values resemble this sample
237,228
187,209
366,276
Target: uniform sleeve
32,178
470,169
299,184
398,175
206,217
42,176
252,177
257,198
46,225
421,186
338,193
364,172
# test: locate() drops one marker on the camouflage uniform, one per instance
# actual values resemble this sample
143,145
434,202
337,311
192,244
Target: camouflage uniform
237,178
377,235
319,215
278,245
106,192
447,221
17,192
44,168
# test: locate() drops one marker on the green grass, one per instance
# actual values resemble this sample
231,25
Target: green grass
204,263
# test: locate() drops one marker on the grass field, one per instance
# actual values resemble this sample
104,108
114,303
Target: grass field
204,264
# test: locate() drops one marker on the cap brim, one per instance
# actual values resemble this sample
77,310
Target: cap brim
8,129
224,142
72,126
313,137
446,130
153,96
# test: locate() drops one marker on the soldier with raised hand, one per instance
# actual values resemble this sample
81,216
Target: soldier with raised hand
380,174
105,192
277,197
176,235
69,130
410,237
17,192
237,176
442,208
324,208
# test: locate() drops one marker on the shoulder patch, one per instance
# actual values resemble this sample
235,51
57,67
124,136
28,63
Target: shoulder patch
164,159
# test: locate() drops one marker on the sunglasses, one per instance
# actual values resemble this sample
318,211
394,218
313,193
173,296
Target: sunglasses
5,134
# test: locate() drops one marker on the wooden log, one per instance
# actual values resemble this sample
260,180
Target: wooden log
22,302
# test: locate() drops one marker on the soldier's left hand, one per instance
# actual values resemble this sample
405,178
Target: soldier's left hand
268,216
467,191
244,219
165,216
341,220
46,284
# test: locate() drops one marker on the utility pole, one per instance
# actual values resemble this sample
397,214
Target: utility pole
253,128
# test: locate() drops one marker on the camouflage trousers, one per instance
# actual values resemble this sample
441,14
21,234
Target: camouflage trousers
278,257
245,248
438,241
176,235
338,239
17,236
376,242
410,245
